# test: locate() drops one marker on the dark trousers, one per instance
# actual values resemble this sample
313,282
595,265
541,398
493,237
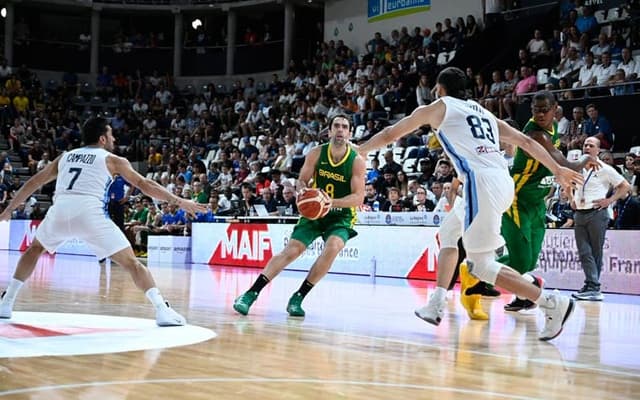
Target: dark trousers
116,212
462,254
590,229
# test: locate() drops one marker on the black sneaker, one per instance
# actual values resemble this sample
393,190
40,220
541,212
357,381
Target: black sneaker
581,292
519,304
523,304
490,291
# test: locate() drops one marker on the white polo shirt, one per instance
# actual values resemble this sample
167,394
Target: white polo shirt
596,185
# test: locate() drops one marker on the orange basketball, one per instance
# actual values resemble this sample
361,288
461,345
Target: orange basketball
311,204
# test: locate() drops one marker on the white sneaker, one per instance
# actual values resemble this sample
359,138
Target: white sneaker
433,311
5,309
167,316
556,314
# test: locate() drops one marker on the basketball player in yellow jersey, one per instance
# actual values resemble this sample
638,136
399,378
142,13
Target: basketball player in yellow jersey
523,225
337,169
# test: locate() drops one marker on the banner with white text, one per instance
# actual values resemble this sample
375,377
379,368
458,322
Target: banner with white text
378,10
396,251
560,266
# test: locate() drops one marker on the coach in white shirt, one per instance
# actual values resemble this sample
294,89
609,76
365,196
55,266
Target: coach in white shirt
591,218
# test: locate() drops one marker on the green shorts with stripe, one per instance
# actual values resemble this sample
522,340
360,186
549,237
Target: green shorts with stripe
306,230
523,233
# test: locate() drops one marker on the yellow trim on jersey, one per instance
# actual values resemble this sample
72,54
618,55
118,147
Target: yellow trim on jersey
550,132
519,180
354,216
513,211
346,156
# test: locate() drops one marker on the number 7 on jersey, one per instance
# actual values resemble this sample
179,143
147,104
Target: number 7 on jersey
76,172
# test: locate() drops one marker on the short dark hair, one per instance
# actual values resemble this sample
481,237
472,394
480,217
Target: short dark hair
545,95
341,116
454,81
92,129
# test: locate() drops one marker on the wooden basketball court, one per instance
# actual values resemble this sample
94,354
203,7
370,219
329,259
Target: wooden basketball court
359,340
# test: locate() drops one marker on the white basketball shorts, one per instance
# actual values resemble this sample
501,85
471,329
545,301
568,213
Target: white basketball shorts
84,218
487,194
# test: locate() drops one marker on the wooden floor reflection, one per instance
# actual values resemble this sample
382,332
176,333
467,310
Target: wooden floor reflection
360,340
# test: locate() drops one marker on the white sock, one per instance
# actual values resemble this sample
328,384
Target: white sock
155,297
543,301
440,294
12,291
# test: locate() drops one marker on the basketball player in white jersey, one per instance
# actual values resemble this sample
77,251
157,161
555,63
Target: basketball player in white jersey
470,136
83,178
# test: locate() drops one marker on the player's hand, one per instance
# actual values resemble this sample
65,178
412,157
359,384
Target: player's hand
592,162
301,190
568,178
5,215
191,207
327,202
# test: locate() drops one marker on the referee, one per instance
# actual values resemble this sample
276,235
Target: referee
592,218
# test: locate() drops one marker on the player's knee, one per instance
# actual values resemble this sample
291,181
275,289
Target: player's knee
334,245
36,248
483,266
293,250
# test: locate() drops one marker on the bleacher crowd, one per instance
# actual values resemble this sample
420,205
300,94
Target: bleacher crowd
237,146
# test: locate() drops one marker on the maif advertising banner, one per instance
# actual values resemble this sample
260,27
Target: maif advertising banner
391,251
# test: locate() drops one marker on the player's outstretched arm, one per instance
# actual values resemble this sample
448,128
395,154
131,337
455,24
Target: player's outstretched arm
565,176
585,161
423,115
46,175
120,165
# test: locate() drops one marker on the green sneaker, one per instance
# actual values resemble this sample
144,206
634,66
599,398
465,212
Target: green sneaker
244,302
294,308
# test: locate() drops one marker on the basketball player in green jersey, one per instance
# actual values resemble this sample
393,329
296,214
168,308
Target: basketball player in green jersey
523,225
339,171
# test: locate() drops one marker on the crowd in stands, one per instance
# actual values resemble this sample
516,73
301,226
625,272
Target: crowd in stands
236,147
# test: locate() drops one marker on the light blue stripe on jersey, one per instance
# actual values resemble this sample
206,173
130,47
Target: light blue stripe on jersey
471,197
106,199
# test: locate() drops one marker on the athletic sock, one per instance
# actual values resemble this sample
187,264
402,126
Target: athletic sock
305,288
259,284
155,297
440,294
543,300
12,291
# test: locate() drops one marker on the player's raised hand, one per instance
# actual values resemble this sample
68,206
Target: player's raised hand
591,162
568,177
191,207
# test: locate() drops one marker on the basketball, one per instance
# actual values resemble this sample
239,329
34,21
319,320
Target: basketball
311,204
